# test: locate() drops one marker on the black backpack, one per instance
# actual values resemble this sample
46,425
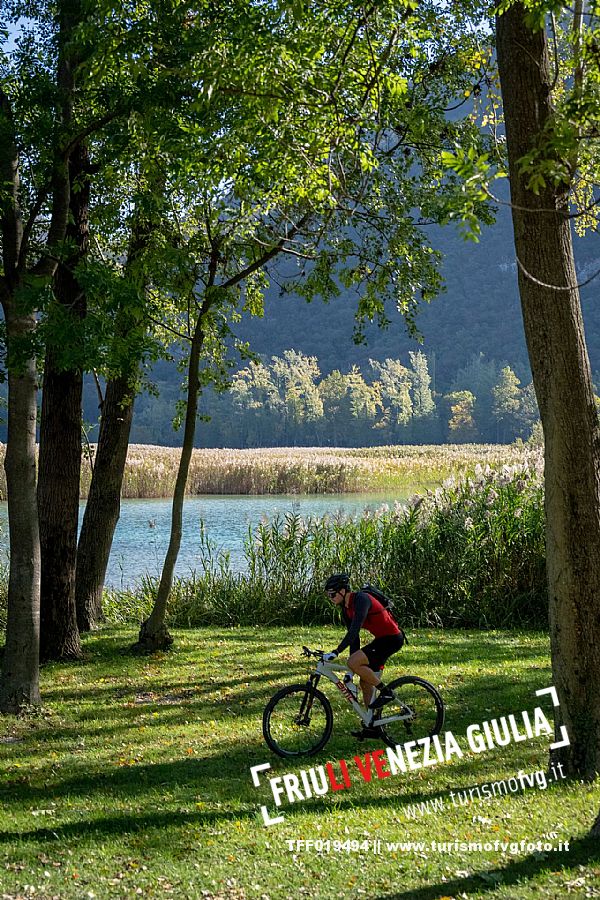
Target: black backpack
375,592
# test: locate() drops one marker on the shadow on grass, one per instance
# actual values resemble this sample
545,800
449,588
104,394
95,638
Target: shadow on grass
582,852
119,691
115,640
188,775
153,822
225,778
445,643
119,826
114,711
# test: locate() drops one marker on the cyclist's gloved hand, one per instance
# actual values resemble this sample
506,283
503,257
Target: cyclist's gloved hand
328,657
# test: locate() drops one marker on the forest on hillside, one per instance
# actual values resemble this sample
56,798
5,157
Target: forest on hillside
468,334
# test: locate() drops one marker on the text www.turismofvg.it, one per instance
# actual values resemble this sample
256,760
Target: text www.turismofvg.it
482,792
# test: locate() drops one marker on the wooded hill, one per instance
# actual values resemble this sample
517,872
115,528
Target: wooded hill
477,317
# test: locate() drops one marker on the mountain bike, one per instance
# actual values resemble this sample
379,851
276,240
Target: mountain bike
298,719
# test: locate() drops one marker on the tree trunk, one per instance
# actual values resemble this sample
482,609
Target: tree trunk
563,385
19,683
19,686
103,505
154,634
60,440
58,506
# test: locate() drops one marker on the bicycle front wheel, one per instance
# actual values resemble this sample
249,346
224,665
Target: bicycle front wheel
416,712
297,721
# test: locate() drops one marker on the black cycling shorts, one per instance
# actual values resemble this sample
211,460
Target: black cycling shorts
380,649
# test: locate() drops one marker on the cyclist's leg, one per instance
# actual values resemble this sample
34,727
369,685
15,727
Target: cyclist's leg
359,664
368,691
381,649
378,653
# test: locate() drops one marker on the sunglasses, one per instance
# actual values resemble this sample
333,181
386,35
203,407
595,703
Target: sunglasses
331,593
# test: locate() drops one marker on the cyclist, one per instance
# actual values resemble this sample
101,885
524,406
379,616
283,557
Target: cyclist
360,610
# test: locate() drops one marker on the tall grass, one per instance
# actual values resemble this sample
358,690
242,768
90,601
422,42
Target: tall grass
470,554
151,471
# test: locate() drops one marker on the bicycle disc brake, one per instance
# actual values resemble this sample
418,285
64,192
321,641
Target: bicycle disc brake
302,720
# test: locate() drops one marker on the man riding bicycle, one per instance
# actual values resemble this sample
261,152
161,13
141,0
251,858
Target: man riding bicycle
361,610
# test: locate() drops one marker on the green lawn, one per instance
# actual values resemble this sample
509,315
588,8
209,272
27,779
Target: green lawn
135,781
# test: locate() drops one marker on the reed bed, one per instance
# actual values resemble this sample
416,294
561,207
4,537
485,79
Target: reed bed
151,470
469,554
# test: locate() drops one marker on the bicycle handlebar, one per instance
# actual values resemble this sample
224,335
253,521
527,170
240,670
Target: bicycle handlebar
318,653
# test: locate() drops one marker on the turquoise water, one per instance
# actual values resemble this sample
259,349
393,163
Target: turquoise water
142,534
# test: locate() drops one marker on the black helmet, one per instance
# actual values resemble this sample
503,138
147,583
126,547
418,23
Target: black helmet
337,582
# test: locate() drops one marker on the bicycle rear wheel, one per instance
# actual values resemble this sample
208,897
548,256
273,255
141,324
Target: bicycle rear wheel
297,721
416,712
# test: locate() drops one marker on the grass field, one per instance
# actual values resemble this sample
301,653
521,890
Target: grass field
135,780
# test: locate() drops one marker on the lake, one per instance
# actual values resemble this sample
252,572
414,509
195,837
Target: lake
142,534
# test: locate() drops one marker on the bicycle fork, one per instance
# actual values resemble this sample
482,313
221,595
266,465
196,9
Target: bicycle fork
303,717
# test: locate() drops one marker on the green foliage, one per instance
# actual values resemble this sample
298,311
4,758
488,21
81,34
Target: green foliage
472,167
501,410
282,402
295,375
394,383
229,140
507,398
124,606
423,402
564,155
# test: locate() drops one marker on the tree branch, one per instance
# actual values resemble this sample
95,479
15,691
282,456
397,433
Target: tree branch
382,61
266,257
556,287
563,214
94,125
41,198
61,185
98,390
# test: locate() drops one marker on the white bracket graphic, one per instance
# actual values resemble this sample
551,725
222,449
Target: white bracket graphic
564,734
254,770
553,693
267,818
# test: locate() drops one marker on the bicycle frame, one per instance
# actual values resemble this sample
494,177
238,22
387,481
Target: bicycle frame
328,670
